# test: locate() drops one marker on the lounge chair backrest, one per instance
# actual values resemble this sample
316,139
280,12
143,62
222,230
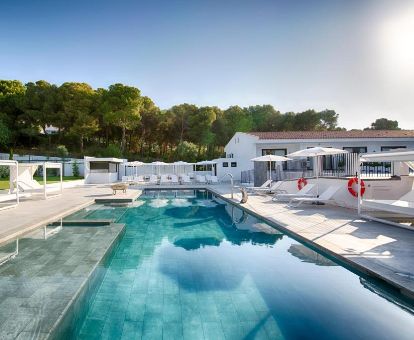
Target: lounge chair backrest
200,178
306,189
185,178
409,196
275,186
174,178
266,184
328,193
214,179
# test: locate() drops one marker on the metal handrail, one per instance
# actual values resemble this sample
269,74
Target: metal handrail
231,181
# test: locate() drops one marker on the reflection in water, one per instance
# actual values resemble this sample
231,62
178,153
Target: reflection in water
158,202
308,255
180,202
196,243
384,292
209,265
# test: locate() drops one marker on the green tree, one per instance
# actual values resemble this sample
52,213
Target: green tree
237,120
40,105
384,124
11,95
180,115
261,116
121,106
78,106
328,120
5,135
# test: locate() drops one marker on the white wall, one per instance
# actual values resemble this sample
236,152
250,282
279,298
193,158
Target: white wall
375,189
243,148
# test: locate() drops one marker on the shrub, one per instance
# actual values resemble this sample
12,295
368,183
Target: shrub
75,168
62,151
4,172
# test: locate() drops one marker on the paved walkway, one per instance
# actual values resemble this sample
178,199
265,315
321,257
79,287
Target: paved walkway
378,249
33,213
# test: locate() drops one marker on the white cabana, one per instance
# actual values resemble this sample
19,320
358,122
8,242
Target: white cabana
102,170
316,152
135,165
213,164
10,196
270,159
24,182
181,167
398,211
158,165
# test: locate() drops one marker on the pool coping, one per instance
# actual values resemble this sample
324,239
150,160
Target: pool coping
44,222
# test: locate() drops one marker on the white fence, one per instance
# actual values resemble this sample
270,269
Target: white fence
67,163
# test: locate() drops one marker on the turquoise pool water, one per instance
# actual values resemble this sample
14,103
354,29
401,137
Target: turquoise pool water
193,267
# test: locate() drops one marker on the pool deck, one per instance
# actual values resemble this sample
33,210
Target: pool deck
377,249
33,213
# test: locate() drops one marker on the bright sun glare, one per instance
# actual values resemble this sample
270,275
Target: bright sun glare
398,39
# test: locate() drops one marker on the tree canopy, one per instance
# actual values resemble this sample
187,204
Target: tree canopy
384,124
120,121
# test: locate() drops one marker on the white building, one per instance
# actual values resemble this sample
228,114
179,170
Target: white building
245,146
102,170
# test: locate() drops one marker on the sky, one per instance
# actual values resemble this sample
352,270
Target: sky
353,56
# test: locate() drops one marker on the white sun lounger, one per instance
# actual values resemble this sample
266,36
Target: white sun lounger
139,179
274,188
201,179
185,179
265,185
304,192
212,179
325,197
173,179
153,179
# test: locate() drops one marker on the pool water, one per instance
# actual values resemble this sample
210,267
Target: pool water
191,266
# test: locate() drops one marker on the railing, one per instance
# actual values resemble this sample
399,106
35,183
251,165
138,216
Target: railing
247,176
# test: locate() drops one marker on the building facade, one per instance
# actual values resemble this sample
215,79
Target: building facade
245,146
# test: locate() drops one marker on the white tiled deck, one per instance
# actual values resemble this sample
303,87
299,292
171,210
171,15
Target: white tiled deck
32,213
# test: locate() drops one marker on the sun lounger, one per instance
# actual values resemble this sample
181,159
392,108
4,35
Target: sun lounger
164,179
325,197
185,179
212,179
153,179
304,192
174,179
274,188
201,179
265,185
403,205
138,179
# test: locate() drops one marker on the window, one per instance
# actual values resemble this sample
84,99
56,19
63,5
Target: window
225,164
356,149
234,164
277,152
99,166
388,148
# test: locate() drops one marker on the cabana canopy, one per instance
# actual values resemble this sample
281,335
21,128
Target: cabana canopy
389,156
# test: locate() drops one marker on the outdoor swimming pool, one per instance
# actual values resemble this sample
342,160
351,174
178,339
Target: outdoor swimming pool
191,266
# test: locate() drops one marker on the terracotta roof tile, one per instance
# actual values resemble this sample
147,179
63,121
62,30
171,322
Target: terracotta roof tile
334,134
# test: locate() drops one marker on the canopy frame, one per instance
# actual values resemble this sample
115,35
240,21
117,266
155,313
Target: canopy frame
10,164
387,156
